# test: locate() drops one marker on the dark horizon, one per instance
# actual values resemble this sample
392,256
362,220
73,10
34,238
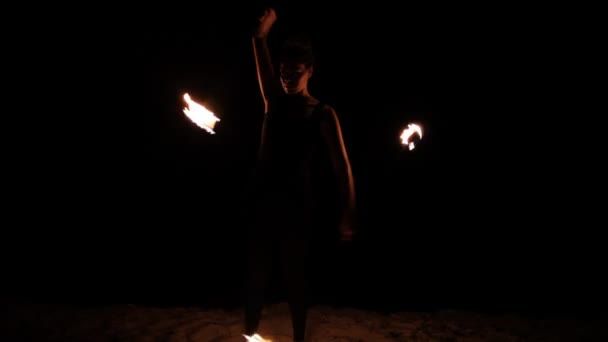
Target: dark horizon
468,219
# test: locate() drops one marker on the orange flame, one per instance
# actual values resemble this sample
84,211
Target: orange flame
408,133
256,338
200,115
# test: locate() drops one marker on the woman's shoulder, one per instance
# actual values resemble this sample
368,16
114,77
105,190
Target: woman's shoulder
325,110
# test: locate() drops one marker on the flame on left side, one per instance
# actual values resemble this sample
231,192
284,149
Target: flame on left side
255,338
408,133
200,115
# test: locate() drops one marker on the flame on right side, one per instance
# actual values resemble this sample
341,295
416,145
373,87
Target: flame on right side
408,133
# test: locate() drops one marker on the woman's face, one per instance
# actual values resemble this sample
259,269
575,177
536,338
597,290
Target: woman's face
294,77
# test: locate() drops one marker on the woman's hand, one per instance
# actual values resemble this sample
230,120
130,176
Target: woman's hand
266,21
346,228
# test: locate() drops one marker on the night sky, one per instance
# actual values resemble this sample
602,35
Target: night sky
467,219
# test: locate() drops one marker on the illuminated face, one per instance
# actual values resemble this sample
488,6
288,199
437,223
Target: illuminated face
294,77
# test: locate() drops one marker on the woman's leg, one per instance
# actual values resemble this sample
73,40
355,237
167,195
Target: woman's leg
295,269
259,259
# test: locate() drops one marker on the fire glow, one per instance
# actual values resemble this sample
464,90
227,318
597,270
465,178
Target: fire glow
408,134
256,338
200,115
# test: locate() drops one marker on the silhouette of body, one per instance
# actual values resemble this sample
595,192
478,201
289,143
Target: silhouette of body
295,125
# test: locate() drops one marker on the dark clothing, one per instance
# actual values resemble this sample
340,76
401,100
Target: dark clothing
287,152
283,215
285,186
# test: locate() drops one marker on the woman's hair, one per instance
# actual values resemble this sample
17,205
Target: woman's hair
297,49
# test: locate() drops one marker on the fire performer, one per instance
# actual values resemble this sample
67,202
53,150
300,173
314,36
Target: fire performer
295,123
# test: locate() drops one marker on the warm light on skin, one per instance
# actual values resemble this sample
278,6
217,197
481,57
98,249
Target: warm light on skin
200,115
294,77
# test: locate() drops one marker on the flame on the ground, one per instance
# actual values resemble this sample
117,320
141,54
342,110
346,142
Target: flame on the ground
256,338
408,133
200,115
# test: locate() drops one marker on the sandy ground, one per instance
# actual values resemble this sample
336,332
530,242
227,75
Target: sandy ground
142,323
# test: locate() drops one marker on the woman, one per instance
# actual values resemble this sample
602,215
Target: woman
295,123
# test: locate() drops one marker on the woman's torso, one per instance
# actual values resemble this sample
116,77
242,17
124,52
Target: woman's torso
290,137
